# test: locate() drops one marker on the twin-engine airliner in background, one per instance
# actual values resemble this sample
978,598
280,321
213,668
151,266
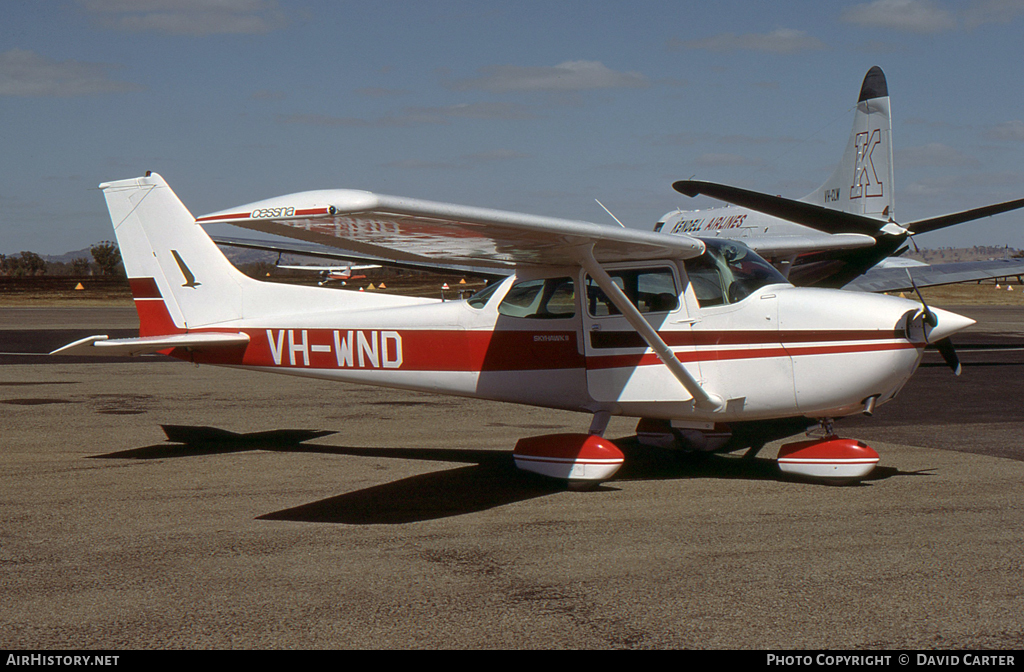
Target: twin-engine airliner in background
834,235
686,328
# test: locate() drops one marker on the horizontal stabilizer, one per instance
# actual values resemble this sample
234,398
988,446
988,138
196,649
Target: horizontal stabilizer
102,346
935,223
806,214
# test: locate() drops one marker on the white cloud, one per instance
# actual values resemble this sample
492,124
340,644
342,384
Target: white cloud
714,160
465,162
781,41
568,76
27,74
934,154
1010,130
992,11
189,17
916,16
416,116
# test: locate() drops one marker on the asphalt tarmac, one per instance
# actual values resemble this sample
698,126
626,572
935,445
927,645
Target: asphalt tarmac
290,513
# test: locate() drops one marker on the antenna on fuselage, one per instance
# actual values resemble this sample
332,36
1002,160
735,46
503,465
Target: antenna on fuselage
609,213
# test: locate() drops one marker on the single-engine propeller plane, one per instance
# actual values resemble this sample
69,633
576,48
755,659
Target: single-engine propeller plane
694,333
331,273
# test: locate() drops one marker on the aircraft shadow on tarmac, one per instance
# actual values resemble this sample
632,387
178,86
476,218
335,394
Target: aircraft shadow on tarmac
489,480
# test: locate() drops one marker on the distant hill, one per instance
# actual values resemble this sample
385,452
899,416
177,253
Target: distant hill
65,258
239,256
236,255
945,255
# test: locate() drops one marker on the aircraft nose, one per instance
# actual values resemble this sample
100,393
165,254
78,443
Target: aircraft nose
946,324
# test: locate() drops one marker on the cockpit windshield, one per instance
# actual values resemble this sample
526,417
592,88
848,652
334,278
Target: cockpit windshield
728,272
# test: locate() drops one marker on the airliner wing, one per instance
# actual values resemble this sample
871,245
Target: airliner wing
829,220
417,231
896,280
783,246
816,217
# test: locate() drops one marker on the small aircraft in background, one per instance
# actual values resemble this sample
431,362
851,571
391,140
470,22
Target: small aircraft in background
331,273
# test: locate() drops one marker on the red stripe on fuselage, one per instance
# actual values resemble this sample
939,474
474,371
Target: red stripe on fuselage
406,350
607,340
471,351
649,359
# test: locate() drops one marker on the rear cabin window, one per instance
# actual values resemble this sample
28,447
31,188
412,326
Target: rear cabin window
651,290
480,299
545,299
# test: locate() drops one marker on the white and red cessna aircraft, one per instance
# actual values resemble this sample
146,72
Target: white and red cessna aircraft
702,334
693,332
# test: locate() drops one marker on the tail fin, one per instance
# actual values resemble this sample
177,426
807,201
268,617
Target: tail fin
863,182
179,278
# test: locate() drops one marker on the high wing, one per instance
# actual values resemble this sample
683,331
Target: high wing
897,280
412,230
320,251
426,232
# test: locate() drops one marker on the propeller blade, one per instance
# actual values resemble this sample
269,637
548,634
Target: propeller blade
944,345
929,316
948,352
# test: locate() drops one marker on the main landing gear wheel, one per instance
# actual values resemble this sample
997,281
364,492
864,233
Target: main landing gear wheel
830,459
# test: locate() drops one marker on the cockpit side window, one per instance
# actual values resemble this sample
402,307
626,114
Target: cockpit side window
548,298
728,272
651,290
706,280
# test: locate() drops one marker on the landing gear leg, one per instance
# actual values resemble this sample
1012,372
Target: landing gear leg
825,428
599,423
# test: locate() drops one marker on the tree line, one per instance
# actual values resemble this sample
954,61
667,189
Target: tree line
106,260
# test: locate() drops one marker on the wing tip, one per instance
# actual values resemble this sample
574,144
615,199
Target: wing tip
686,187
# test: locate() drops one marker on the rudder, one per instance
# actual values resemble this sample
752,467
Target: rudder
863,182
170,260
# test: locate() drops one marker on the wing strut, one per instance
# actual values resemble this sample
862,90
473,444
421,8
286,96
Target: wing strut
702,398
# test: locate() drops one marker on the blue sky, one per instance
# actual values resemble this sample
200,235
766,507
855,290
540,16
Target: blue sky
538,107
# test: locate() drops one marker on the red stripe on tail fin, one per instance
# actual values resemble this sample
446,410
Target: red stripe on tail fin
154,318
